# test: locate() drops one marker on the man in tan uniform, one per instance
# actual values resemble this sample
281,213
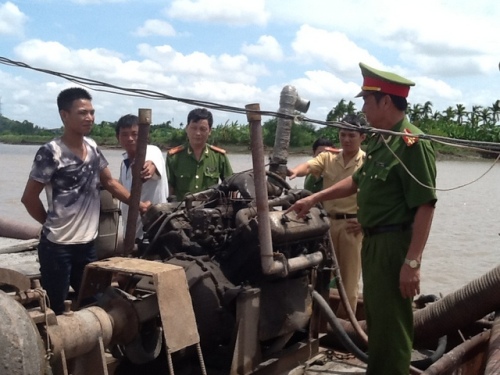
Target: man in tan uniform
344,227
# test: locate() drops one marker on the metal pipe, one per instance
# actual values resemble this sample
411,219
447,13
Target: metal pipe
22,231
78,332
135,191
451,360
290,101
269,265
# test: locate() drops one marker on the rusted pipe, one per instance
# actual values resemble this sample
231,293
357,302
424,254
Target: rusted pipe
21,231
454,357
460,308
135,191
493,358
290,101
269,265
78,332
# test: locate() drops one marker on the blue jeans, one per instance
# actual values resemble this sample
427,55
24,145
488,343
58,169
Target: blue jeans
62,266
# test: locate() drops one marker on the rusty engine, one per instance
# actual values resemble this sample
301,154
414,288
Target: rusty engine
215,238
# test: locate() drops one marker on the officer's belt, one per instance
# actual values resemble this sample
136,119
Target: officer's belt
387,228
344,216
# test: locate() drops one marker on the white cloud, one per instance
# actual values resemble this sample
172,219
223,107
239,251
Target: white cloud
266,48
198,65
449,49
155,27
232,12
12,20
333,48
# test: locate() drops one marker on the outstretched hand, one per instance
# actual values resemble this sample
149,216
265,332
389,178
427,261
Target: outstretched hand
301,207
291,174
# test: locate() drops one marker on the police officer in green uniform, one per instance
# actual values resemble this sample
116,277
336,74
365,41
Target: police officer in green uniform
196,165
396,199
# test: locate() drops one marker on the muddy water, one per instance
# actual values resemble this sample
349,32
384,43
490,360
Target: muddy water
464,242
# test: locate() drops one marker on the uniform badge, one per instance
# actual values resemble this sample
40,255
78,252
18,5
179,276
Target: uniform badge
410,141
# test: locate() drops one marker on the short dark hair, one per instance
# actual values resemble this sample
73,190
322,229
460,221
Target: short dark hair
321,142
399,102
125,122
198,114
66,97
357,120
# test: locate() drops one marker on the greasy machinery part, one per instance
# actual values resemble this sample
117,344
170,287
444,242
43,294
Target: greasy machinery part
290,101
14,279
18,230
135,191
81,337
459,309
270,266
454,358
247,354
172,295
21,348
493,358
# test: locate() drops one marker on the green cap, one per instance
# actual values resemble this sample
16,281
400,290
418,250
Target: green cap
386,82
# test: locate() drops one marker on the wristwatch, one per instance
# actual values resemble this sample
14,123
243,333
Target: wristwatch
413,263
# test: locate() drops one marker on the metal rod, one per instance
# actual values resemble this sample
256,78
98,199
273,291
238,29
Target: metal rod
135,191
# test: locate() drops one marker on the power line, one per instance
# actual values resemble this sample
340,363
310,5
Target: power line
155,95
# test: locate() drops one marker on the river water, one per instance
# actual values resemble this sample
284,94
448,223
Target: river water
464,242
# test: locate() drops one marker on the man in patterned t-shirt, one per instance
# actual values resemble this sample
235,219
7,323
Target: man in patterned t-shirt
70,169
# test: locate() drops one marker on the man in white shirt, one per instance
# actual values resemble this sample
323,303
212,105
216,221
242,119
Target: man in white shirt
153,174
70,169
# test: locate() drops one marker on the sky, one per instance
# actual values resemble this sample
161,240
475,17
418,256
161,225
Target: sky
237,52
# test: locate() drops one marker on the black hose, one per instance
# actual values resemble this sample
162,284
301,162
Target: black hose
350,346
338,329
423,364
158,233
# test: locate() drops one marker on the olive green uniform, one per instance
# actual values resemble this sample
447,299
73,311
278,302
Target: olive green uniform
188,175
313,183
388,195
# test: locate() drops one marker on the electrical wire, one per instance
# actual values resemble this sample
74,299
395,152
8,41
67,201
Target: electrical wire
487,147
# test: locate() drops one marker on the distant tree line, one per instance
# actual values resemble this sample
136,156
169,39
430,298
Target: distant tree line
478,124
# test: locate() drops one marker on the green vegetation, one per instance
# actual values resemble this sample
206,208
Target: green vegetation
479,124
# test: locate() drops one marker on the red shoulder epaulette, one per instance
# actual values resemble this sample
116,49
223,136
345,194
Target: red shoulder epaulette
217,149
410,141
175,150
332,149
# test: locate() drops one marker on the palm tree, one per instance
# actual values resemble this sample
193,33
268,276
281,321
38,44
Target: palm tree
460,113
473,115
485,116
449,113
337,112
427,109
351,108
495,110
415,112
